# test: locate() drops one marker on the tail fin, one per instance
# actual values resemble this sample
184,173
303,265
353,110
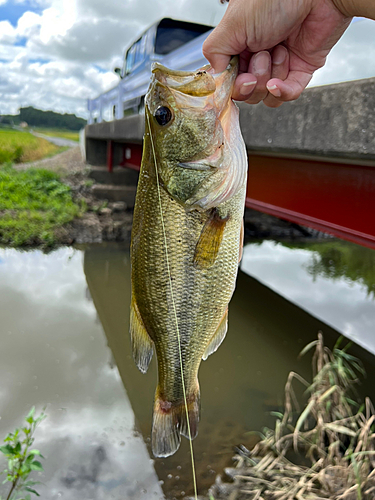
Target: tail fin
194,407
170,422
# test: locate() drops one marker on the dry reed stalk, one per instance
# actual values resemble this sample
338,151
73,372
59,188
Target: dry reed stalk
336,437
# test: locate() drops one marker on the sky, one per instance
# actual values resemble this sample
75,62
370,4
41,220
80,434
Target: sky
54,54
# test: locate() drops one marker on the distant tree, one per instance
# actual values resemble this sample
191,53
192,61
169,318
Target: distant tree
6,120
49,119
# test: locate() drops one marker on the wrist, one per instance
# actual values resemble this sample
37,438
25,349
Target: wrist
355,8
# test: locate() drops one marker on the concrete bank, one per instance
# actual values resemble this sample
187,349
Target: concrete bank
334,122
310,161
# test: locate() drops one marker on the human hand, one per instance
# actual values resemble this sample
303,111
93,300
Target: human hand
280,42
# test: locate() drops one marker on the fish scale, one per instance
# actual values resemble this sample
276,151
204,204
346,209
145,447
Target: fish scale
203,247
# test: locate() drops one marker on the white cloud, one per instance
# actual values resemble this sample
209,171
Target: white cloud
8,33
67,51
72,46
2,2
29,25
352,58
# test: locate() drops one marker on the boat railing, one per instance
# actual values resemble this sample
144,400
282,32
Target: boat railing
128,94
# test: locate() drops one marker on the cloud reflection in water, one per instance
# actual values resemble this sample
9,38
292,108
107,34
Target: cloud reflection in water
54,353
342,303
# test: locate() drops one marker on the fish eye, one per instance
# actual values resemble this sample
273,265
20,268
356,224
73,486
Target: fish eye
163,115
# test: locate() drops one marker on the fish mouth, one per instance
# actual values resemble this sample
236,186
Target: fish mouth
201,83
204,91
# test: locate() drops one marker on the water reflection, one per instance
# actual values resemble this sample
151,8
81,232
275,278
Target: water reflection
53,352
239,384
65,343
340,259
334,281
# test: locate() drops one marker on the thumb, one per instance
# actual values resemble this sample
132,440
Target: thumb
218,61
218,49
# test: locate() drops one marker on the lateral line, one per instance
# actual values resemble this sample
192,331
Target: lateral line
174,307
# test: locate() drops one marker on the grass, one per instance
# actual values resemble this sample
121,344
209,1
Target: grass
34,204
18,147
64,134
329,434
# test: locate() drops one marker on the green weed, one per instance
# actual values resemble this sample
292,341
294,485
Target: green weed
33,204
89,183
22,460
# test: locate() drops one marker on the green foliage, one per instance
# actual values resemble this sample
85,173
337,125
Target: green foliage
16,147
38,118
33,204
6,121
22,460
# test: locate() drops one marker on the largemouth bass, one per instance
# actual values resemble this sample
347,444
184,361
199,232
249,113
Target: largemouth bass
186,237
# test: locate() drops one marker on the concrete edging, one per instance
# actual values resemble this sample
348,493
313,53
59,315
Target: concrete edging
334,122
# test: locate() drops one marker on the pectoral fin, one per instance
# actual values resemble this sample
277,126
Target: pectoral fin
218,337
142,345
209,241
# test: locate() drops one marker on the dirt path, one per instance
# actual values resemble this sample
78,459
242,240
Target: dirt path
58,141
66,163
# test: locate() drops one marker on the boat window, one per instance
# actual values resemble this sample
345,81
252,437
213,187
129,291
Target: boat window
143,44
138,53
168,38
130,56
135,55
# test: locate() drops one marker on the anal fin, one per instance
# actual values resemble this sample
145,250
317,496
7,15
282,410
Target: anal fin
217,337
142,345
209,241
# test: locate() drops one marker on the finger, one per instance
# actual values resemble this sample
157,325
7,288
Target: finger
218,61
245,57
291,88
219,47
280,62
260,67
280,70
243,86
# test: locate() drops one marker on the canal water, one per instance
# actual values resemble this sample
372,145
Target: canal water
65,345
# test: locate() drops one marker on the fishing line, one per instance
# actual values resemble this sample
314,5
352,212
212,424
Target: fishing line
174,307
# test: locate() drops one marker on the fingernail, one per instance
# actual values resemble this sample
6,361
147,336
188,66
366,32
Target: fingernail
274,90
247,87
279,56
261,63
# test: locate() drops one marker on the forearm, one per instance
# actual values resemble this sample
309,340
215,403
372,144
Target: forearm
359,8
